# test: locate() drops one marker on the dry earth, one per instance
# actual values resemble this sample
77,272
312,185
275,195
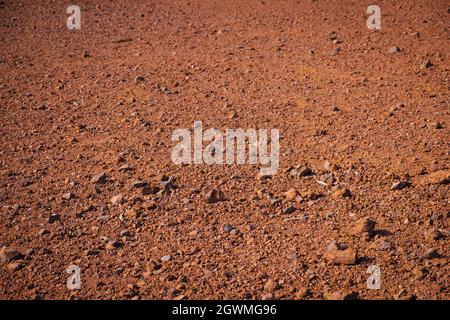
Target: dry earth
365,112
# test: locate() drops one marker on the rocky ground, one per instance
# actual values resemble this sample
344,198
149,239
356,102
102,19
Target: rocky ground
86,176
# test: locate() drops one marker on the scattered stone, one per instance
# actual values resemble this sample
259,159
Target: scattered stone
214,196
274,200
271,285
438,177
339,296
132,291
435,217
125,233
381,244
166,258
392,111
125,168
399,185
335,52
333,245
16,208
426,64
434,125
337,255
165,90
139,79
173,292
99,178
43,232
103,218
118,199
167,183
132,214
250,227
267,296
301,293
289,210
402,295
9,254
67,196
227,227
288,170
53,218
364,226
332,35
232,114
341,193
431,254
115,244
310,195
327,179
291,194
91,252
150,190
394,49
433,234
420,273
333,296
263,178
235,232
138,184
330,214
14,266
304,171
330,167
123,40
87,209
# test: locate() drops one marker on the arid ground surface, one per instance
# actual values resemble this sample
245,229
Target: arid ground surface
86,176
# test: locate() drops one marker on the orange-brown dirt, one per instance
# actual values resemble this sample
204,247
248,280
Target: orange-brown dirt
363,109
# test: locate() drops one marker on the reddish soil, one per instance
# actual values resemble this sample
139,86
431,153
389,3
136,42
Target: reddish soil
106,98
